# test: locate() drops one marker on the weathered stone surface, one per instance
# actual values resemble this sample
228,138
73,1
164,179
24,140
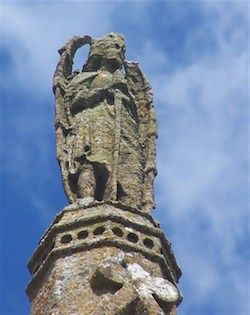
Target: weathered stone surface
105,280
123,249
104,254
100,225
105,125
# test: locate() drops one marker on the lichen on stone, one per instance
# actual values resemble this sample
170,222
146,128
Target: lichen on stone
105,125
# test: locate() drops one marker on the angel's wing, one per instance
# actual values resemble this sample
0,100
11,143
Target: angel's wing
62,121
143,96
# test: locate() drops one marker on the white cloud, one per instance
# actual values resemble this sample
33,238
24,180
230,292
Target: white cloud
32,34
202,158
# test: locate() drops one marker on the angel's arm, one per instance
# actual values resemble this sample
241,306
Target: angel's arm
64,135
67,52
63,71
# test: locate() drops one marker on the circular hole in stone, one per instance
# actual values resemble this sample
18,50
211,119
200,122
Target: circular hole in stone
99,230
148,243
117,231
117,46
132,237
66,239
82,234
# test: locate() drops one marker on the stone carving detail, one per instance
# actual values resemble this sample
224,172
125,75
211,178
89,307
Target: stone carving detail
105,125
144,294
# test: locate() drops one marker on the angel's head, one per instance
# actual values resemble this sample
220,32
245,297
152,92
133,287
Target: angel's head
106,53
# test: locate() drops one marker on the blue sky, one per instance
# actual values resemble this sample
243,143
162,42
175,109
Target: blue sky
195,55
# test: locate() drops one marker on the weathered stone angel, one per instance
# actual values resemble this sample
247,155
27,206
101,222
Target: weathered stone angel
105,125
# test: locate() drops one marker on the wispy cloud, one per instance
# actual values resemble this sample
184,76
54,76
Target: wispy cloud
33,34
202,157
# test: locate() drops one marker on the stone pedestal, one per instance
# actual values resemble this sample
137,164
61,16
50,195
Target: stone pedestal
104,259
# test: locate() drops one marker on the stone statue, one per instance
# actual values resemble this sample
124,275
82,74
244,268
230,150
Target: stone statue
104,253
105,125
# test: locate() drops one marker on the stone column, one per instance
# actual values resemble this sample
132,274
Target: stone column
104,259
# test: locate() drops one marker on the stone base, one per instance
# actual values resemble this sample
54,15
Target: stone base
103,259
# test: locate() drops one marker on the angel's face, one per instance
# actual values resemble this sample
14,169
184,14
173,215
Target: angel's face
115,48
110,50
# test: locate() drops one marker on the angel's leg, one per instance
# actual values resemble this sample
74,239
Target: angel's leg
86,183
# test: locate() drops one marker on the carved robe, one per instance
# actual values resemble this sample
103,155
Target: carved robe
105,126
